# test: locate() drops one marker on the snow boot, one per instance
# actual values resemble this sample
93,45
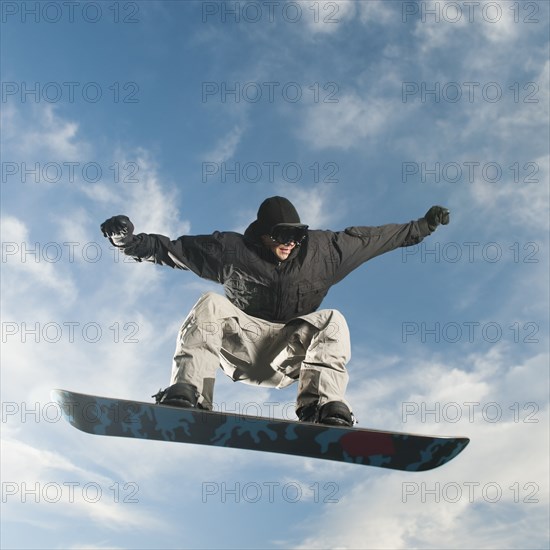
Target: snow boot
334,413
178,395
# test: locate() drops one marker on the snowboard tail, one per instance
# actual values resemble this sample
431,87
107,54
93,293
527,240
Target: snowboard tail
135,419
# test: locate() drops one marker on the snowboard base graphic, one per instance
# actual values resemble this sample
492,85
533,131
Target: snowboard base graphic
134,419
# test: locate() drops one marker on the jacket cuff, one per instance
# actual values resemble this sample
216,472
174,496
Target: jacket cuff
424,227
138,247
121,242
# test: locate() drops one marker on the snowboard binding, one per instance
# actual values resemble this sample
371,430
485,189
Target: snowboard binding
180,395
333,413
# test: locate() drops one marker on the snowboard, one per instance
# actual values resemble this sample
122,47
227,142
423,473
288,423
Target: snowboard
134,419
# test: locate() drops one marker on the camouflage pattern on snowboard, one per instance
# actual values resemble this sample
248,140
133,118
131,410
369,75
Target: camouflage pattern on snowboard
124,418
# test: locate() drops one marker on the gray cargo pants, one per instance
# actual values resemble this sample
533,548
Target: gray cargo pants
312,349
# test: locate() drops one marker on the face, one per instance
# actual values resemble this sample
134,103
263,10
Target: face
282,251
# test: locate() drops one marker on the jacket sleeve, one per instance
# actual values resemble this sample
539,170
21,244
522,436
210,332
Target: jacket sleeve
201,254
358,244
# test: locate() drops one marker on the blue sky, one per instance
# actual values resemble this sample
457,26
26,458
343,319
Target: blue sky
362,113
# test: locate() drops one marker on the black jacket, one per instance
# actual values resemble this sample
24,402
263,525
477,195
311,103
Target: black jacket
257,282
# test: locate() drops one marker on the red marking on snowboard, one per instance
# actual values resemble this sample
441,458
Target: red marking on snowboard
392,450
362,444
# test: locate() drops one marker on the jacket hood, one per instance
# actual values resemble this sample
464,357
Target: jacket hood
274,211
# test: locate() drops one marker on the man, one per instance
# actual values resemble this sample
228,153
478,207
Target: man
268,330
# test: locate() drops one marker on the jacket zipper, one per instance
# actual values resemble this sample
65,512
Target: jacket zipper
279,293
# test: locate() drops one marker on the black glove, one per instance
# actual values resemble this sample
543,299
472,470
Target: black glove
118,229
436,215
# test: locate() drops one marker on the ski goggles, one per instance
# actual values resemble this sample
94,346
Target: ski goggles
287,234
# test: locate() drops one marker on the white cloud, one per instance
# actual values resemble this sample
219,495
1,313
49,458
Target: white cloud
150,203
418,520
112,292
226,146
44,135
530,200
347,122
498,23
74,226
326,16
379,11
138,190
441,508
29,264
317,207
37,480
439,23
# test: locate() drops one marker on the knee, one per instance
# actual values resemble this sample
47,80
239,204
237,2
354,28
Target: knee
338,332
329,325
211,300
214,305
212,297
338,324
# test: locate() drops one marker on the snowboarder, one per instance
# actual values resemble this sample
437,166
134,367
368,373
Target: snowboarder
268,330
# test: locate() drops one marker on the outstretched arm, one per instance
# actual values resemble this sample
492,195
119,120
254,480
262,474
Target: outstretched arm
359,244
200,254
